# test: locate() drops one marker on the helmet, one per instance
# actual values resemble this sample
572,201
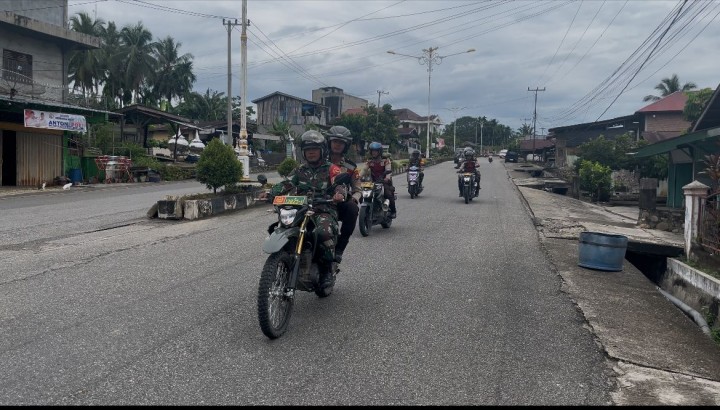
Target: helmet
338,132
416,154
375,146
469,153
313,139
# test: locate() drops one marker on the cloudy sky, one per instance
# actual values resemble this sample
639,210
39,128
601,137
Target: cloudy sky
592,59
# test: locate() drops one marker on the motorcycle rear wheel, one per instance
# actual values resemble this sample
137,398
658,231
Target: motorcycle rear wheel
274,306
364,221
466,193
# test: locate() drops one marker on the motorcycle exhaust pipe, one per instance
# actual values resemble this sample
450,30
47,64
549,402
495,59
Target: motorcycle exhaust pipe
386,205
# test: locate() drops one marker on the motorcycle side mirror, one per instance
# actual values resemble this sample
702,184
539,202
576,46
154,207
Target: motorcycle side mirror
343,179
262,179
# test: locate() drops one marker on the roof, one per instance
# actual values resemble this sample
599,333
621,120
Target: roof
677,142
672,103
406,114
710,117
407,131
70,107
656,136
355,111
603,124
159,115
255,101
527,145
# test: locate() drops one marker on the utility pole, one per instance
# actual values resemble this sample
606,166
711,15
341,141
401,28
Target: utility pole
377,111
243,153
535,117
230,24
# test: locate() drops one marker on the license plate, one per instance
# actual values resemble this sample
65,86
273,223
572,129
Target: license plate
290,200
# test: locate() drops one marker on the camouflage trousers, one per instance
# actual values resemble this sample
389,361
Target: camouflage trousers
326,232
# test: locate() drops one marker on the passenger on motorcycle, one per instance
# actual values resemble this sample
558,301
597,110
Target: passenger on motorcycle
314,177
380,169
339,141
418,162
469,164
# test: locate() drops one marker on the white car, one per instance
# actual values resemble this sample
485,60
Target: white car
502,153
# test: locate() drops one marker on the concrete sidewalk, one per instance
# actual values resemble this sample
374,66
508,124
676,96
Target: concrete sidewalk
661,356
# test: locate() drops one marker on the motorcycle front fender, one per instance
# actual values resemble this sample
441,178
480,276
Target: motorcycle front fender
279,238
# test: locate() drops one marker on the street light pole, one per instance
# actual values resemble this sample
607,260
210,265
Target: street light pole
429,57
454,111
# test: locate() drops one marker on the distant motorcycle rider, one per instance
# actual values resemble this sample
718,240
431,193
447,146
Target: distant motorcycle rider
418,162
380,169
339,141
469,164
314,177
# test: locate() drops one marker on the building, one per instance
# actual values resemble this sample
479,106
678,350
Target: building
414,127
337,101
295,111
40,127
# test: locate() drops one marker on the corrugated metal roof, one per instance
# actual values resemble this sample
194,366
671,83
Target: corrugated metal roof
673,102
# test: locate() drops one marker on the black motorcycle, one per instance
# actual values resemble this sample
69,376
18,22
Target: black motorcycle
293,261
413,181
374,207
469,186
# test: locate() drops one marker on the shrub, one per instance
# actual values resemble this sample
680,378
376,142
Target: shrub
286,167
218,165
596,179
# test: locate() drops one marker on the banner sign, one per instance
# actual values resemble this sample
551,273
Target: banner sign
54,121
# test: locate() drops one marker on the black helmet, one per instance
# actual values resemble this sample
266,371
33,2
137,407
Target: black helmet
313,139
469,153
415,154
338,132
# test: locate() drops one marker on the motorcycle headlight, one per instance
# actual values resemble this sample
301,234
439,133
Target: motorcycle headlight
287,216
367,193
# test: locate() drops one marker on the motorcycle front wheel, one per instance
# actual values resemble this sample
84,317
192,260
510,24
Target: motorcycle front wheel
274,305
413,191
467,193
364,220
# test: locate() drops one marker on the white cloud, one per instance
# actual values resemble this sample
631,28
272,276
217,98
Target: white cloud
344,44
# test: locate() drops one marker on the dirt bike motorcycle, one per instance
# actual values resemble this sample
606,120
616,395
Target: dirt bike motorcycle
374,208
293,262
469,186
414,187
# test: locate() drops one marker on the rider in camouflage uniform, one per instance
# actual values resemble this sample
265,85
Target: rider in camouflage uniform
313,177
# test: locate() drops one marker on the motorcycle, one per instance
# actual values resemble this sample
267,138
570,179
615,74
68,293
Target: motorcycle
374,208
468,186
293,263
414,187
490,159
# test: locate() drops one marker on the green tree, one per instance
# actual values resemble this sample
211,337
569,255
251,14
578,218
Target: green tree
286,167
138,61
112,66
596,179
85,69
668,86
173,76
211,106
696,103
218,166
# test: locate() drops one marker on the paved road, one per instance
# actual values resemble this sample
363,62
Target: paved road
454,304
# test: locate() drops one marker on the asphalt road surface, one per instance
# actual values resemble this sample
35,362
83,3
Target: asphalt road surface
454,304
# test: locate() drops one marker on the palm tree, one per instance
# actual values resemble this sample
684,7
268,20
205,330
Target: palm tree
211,106
138,61
112,63
668,86
85,66
173,76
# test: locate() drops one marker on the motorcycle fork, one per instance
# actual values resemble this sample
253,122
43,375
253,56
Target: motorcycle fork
298,252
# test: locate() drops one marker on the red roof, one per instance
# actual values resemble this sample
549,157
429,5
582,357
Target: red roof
673,102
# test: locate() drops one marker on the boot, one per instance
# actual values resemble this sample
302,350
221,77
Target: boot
393,211
338,256
326,277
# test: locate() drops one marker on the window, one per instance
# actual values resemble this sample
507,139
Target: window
17,67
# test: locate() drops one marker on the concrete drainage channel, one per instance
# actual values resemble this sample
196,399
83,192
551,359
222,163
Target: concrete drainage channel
696,294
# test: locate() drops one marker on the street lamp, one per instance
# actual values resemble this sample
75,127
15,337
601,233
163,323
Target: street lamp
454,111
429,57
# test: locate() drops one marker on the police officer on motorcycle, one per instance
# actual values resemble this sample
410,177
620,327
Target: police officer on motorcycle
339,141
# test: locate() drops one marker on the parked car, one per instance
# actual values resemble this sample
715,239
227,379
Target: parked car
511,156
502,153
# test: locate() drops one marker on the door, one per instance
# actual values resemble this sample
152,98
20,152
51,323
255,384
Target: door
9,157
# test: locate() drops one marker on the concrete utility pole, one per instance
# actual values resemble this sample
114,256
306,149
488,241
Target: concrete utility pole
377,112
535,118
230,25
243,144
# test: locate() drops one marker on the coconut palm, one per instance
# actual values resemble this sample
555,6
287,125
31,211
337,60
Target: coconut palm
85,66
112,65
138,61
668,86
173,76
211,106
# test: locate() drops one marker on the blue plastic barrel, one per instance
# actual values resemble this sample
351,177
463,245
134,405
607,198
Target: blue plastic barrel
602,251
75,175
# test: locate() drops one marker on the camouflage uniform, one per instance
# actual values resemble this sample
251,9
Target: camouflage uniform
306,179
